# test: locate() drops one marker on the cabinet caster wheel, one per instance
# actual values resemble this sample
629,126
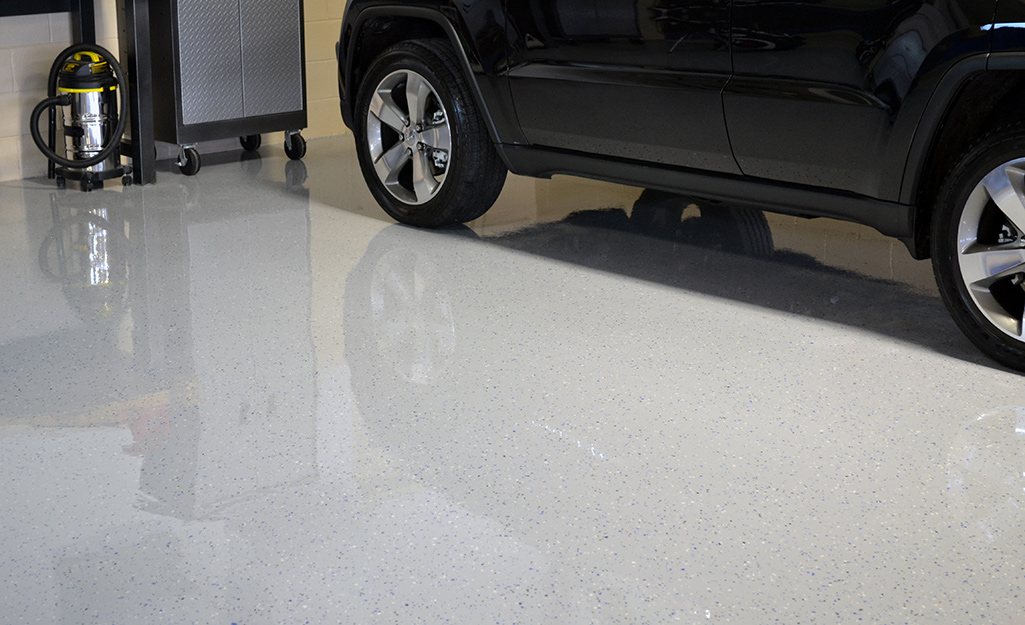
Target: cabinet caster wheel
250,143
188,162
295,146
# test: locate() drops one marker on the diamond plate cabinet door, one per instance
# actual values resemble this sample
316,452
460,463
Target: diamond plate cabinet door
227,68
272,80
211,60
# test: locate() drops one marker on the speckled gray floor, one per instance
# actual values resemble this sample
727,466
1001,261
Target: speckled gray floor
246,397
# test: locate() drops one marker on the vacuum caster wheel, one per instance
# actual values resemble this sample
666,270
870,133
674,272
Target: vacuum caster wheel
88,184
188,162
62,182
250,143
126,180
295,146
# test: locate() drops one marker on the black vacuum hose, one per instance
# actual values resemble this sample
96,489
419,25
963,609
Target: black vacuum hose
54,100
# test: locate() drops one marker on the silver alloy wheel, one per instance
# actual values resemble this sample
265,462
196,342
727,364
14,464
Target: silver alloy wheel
409,137
991,247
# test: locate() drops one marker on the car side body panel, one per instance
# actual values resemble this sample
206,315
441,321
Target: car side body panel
890,218
830,94
636,79
791,144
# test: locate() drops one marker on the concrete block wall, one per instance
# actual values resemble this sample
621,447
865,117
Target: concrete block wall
323,25
28,45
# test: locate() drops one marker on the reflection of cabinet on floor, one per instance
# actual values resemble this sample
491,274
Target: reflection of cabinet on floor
249,423
228,68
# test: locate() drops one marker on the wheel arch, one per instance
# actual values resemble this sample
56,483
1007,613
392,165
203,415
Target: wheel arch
376,28
951,123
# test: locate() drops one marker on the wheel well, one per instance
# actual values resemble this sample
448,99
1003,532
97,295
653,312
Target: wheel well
999,93
379,33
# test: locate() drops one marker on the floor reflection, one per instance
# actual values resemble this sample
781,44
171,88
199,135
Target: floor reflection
726,228
84,251
986,472
171,378
223,401
731,253
567,413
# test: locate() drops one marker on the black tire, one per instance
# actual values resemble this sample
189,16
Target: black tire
734,229
250,143
190,166
463,173
978,245
295,147
657,214
754,236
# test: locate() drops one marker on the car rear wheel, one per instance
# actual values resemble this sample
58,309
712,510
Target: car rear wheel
422,144
979,245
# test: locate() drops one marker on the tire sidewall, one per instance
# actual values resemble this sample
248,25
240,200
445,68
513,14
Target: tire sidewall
431,213
989,153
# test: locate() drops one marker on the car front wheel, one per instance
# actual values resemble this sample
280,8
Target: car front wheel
979,245
422,144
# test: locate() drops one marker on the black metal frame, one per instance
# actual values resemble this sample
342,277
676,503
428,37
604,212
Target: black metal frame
134,23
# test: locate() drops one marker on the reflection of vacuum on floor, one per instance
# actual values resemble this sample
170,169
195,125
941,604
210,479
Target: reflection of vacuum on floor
84,80
84,252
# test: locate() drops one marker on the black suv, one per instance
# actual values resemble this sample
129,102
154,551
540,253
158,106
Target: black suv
905,115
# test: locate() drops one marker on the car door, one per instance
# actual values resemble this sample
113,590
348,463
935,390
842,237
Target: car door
637,79
819,85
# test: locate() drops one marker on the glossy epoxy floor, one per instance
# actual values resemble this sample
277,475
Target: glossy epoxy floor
246,397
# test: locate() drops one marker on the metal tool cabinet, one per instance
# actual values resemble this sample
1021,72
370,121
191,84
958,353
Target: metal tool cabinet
227,68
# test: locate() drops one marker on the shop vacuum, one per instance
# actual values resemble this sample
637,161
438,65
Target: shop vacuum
84,81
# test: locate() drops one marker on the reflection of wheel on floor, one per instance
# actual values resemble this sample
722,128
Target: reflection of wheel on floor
399,301
295,175
984,480
729,228
412,317
250,143
189,162
423,147
979,244
657,214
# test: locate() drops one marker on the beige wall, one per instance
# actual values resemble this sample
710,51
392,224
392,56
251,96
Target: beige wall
28,45
323,24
